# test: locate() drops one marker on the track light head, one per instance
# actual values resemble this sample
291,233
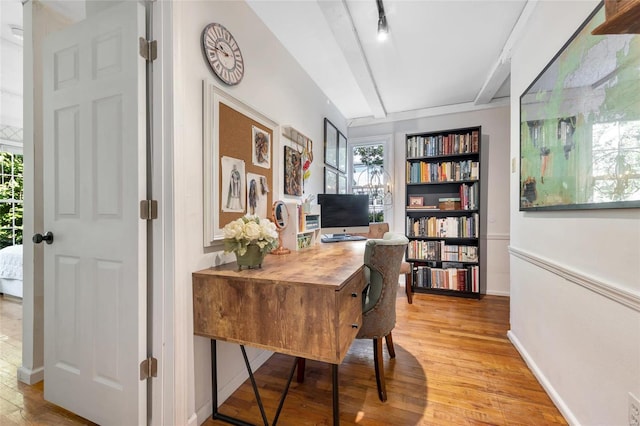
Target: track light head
383,30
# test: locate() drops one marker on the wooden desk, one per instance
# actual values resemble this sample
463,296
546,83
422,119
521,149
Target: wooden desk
307,304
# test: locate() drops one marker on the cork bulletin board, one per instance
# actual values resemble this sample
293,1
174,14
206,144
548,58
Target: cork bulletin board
238,149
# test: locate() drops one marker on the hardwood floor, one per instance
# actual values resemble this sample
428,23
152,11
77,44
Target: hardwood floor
22,404
454,366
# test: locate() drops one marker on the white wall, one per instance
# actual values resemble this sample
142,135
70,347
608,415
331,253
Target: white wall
275,85
575,286
495,164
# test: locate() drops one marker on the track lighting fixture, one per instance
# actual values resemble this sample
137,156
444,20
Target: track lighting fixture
383,29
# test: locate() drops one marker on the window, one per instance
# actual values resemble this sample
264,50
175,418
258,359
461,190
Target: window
369,174
616,161
11,199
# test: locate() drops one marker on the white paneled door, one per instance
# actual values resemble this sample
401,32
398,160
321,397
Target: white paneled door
94,178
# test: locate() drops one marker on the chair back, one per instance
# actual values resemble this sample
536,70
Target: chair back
378,229
382,260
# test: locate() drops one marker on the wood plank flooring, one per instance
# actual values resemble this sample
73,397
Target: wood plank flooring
22,404
454,366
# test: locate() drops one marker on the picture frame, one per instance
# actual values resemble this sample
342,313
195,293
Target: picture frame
578,124
416,201
292,172
330,181
330,144
228,132
342,152
342,184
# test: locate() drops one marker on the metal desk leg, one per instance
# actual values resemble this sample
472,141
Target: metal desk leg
216,415
336,402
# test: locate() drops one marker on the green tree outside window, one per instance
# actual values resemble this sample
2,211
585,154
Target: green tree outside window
11,198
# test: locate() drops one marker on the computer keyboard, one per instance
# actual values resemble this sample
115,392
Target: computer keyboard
339,238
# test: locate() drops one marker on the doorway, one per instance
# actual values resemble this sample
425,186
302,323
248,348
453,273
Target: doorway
44,20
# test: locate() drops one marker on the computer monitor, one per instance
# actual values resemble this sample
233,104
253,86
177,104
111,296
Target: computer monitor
344,213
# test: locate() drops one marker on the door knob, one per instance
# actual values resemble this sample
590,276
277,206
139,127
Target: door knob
38,238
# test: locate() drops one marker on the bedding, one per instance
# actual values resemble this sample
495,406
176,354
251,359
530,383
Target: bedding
11,270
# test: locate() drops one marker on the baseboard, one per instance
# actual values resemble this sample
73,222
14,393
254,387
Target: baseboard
498,293
542,379
193,419
204,412
30,377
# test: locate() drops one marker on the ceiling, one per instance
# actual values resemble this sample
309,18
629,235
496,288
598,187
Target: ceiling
10,72
440,56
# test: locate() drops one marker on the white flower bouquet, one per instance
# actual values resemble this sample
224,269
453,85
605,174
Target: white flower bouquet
249,229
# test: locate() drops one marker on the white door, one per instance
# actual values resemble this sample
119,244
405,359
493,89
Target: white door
94,178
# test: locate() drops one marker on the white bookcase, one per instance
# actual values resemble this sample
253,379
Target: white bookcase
303,230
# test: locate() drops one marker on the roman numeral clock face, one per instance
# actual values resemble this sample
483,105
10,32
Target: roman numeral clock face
223,54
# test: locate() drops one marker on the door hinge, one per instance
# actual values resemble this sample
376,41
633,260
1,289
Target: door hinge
148,209
148,368
148,49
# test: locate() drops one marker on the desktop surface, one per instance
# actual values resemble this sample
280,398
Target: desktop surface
336,238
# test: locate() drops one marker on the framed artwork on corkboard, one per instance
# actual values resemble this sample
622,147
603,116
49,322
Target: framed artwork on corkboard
232,131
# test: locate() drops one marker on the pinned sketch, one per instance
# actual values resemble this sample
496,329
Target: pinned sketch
257,190
233,186
261,142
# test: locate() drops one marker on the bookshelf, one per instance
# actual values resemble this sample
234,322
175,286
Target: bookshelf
442,214
303,230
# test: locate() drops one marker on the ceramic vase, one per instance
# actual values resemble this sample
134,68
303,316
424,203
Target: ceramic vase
251,259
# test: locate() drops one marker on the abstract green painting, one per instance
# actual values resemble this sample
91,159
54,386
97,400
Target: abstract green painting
580,125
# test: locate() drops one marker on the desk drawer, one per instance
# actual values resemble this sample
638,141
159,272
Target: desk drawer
349,300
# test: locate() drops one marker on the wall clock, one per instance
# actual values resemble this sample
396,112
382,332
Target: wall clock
223,54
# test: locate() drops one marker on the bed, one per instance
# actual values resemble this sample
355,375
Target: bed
11,270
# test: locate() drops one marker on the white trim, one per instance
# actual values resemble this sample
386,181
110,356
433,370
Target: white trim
624,297
29,376
542,379
429,112
499,293
11,146
163,388
498,237
212,97
502,67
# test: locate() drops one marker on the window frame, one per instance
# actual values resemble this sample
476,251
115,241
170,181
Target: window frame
387,154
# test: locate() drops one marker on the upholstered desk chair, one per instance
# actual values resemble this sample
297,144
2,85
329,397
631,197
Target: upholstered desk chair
377,230
382,260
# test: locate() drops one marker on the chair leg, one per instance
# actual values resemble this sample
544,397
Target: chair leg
377,360
300,373
390,348
408,287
